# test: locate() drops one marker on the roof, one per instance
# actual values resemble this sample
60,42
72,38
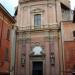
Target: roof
6,12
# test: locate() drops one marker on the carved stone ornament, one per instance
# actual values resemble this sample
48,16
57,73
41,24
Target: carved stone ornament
37,51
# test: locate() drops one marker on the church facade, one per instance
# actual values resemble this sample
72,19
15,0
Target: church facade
39,48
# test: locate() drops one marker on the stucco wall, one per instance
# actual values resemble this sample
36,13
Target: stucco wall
68,29
5,24
47,9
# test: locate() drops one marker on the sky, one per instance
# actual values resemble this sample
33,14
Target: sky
11,4
72,4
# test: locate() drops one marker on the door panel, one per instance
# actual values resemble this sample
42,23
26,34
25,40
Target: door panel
37,68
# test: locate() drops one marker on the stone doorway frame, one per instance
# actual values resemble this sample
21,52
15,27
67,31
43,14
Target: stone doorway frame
43,61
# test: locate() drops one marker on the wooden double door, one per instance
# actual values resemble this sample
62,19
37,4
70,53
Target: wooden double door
37,68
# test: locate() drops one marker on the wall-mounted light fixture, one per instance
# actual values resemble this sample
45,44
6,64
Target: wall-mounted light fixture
23,60
52,58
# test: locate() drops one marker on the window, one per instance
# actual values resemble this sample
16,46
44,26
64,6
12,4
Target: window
73,33
8,34
6,54
37,20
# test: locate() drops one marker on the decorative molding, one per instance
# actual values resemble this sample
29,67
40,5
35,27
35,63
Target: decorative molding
50,5
32,53
28,40
50,38
36,56
37,10
21,1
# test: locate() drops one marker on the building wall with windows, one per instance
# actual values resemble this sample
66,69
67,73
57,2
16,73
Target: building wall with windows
39,38
50,11
69,47
6,21
65,2
69,28
28,10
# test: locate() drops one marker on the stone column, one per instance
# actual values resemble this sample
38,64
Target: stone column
27,57
47,58
13,48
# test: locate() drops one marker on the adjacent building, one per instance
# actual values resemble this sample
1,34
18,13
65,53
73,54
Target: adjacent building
6,22
68,33
39,44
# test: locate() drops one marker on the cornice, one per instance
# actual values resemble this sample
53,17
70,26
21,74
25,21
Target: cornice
7,13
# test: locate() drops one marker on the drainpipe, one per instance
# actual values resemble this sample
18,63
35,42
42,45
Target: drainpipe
13,50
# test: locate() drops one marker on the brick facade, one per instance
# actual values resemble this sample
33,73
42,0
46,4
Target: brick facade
69,47
6,22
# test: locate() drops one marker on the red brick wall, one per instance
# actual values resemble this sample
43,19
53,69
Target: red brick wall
5,43
69,55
